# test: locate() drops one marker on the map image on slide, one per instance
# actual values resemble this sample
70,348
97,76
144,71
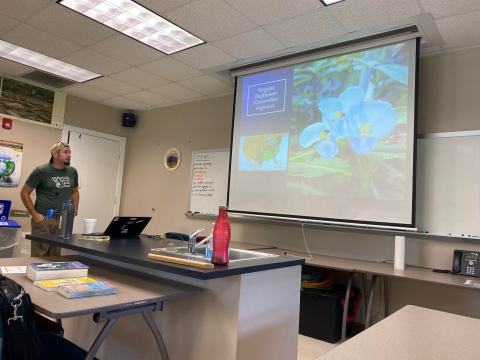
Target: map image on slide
263,152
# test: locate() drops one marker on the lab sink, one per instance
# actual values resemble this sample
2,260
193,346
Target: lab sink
234,256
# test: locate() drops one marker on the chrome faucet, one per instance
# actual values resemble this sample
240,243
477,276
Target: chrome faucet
205,241
192,241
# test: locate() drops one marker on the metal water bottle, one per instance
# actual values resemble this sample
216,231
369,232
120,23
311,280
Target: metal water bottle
221,238
67,213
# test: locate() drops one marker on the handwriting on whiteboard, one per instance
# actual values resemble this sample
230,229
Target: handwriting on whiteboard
201,186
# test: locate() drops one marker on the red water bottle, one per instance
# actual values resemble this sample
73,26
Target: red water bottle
221,238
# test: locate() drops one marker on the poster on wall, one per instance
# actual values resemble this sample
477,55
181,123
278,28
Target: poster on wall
31,103
10,163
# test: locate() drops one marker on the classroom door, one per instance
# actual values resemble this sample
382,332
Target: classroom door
97,161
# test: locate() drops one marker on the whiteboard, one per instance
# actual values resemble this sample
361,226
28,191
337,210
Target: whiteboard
448,183
209,180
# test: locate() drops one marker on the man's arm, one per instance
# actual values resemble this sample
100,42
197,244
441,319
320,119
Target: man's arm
75,198
28,203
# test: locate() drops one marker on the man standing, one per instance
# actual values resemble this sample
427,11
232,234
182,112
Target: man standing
55,183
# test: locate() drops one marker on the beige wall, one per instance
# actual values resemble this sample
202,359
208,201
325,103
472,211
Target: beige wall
447,102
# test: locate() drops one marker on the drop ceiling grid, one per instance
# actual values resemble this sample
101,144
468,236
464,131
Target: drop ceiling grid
40,41
316,26
211,19
253,43
67,24
87,92
114,86
268,11
206,85
234,29
22,9
96,62
6,23
176,92
362,14
443,8
139,78
460,30
127,50
149,98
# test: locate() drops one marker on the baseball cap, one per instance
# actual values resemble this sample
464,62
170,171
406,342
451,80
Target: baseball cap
57,146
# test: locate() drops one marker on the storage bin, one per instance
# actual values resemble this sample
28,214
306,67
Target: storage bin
321,312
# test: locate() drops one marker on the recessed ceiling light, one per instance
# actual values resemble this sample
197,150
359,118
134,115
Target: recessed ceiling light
330,2
44,63
137,22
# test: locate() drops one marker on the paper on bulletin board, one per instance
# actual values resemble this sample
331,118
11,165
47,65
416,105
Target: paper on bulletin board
10,163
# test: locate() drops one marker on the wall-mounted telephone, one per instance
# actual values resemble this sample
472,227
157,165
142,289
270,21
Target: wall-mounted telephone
466,263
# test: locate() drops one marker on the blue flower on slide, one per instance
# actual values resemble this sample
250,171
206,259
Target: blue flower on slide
375,121
327,145
338,111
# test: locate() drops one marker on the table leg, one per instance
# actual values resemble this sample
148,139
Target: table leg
370,300
100,338
345,307
156,334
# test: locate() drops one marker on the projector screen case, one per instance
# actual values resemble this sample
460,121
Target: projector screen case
332,139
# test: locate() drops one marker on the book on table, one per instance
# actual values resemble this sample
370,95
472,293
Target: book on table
87,289
56,270
52,285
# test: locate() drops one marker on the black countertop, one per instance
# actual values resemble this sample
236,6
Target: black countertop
135,250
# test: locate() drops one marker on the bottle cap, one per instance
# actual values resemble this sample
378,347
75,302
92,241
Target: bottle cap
223,207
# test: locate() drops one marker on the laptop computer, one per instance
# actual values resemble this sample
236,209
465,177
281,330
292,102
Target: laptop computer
124,226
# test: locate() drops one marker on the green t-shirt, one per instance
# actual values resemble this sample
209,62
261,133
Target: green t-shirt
53,186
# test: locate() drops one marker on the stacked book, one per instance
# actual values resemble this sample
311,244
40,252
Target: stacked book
69,278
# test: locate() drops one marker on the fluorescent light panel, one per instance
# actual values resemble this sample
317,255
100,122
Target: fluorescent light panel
330,2
137,22
44,63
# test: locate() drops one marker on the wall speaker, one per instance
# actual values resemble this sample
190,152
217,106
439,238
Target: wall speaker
128,120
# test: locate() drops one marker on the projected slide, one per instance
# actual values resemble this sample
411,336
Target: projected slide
337,132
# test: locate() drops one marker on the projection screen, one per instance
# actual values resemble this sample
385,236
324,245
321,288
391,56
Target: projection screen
331,139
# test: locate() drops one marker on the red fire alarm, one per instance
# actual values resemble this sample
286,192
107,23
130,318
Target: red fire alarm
7,123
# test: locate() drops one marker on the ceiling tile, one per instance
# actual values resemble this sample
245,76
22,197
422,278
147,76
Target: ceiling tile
124,103
139,78
37,40
306,29
88,92
192,100
460,30
362,14
441,8
6,23
21,9
171,69
206,85
12,68
149,98
210,19
93,61
176,92
203,56
113,86
253,43
59,20
130,51
164,5
268,11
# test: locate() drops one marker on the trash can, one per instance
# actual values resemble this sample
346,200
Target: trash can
10,232
321,312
